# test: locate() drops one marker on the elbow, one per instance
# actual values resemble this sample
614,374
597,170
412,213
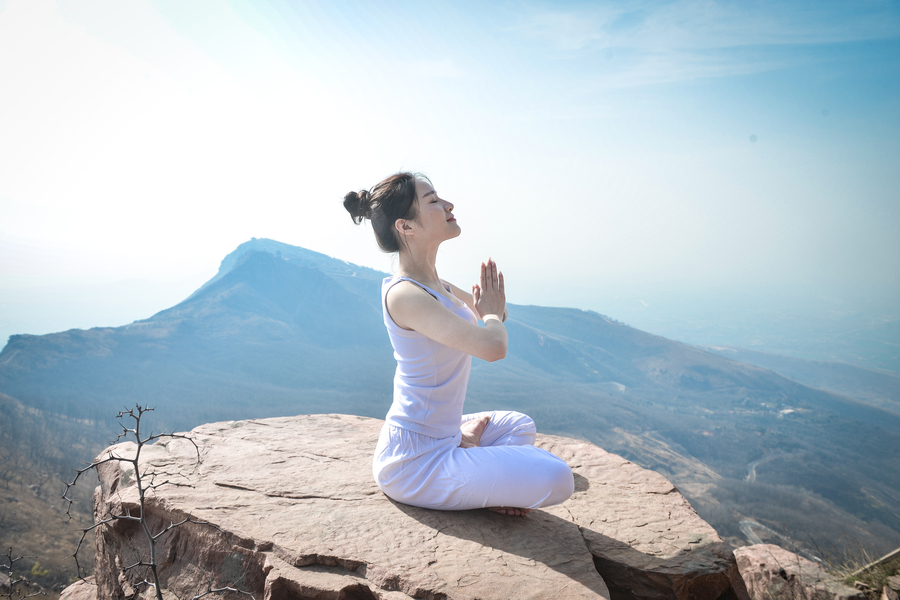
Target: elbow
496,353
492,346
497,357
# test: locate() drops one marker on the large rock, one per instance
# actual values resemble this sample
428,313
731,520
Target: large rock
293,512
83,589
773,573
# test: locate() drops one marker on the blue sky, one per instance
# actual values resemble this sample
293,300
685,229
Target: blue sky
604,153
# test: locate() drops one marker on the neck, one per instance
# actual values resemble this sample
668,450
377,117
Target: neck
419,264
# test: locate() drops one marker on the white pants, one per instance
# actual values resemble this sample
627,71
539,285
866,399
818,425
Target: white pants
505,470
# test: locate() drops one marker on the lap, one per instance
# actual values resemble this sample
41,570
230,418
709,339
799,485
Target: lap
506,470
505,428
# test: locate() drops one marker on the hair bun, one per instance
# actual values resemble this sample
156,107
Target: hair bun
359,205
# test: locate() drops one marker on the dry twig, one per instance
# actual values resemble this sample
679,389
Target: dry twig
146,482
16,584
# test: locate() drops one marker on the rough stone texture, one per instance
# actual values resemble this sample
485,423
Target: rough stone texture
297,515
80,590
646,539
773,573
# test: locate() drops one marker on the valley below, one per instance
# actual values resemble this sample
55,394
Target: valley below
802,454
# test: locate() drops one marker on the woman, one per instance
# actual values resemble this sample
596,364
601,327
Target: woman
429,454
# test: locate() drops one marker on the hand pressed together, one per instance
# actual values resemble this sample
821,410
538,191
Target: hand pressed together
489,296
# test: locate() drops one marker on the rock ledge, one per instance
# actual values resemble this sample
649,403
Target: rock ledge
294,513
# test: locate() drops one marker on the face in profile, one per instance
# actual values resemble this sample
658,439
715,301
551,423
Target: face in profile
435,215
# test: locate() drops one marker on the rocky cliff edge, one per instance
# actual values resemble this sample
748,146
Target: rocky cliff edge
292,512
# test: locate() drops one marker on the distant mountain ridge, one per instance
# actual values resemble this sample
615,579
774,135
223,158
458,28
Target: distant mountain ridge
873,387
282,330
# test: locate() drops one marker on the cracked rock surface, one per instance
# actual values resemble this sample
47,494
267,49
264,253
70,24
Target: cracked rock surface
293,512
773,572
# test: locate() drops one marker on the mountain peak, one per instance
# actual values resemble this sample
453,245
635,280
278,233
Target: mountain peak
301,257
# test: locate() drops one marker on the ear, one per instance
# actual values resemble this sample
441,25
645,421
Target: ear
404,227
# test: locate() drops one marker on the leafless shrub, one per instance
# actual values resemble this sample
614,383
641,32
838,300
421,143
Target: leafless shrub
147,482
13,587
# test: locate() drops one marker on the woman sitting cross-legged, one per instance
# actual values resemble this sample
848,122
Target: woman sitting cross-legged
429,453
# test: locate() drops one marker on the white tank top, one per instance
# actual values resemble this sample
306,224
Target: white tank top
431,378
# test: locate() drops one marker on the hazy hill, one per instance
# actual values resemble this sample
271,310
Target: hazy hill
281,330
268,336
873,387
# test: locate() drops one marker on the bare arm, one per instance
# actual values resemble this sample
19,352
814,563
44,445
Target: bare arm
413,308
470,300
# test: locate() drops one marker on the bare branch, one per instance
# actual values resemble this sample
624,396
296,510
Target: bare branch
15,583
167,482
91,467
139,563
144,482
172,525
221,590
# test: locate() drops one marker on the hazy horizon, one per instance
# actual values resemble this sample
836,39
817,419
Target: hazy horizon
697,170
821,327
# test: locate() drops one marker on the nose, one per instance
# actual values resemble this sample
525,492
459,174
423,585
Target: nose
449,206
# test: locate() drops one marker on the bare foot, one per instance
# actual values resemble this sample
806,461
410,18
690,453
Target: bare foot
512,512
472,431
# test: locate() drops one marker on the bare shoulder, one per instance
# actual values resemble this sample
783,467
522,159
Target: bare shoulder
407,302
404,292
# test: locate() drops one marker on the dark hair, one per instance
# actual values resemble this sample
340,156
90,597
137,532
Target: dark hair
391,199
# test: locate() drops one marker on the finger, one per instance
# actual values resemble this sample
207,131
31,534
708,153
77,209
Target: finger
483,276
476,293
500,284
494,280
